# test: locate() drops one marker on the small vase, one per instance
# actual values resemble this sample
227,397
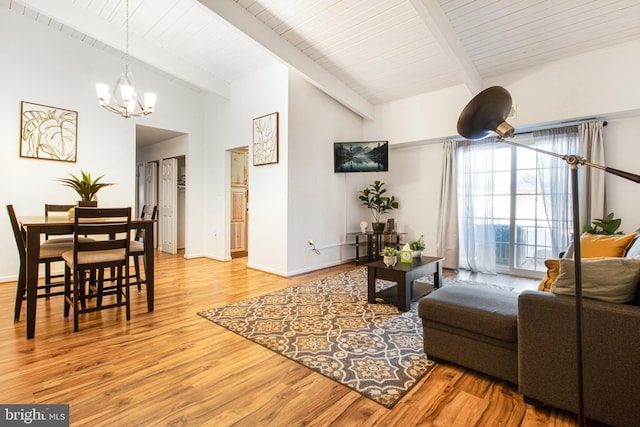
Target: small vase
417,254
389,261
378,227
88,203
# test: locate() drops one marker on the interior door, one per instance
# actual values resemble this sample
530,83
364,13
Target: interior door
239,200
168,205
140,186
238,220
151,184
151,193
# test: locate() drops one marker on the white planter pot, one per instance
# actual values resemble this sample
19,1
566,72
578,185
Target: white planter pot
390,261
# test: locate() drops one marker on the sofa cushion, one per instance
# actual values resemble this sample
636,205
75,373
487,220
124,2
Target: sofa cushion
608,279
553,268
484,310
597,245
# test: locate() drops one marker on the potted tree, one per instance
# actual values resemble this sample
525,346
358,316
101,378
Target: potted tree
373,198
85,186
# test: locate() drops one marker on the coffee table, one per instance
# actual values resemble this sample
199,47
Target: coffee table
404,274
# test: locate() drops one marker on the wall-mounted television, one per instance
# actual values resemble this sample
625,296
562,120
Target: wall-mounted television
362,156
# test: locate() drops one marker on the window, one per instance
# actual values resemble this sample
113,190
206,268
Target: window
514,204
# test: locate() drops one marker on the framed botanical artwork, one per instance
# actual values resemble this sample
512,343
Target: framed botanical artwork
265,140
48,133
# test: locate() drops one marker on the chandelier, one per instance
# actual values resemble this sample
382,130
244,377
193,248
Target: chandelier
124,100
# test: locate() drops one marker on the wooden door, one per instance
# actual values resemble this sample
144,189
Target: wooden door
239,200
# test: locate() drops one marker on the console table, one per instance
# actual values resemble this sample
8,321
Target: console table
374,242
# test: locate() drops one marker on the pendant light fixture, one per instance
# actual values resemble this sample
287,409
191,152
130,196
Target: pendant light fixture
124,100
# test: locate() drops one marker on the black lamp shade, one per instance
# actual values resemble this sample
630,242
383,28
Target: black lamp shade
486,113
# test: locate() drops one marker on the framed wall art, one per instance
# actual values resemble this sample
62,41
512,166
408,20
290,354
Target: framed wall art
48,133
265,140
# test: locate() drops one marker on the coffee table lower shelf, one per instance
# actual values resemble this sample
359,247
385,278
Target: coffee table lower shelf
390,294
404,274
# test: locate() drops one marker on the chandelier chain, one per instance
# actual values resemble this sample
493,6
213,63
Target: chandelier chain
126,20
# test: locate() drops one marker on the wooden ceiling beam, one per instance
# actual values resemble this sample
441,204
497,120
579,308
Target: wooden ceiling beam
436,21
285,52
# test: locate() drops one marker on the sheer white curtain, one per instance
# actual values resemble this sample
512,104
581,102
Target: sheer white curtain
554,179
447,238
584,140
476,165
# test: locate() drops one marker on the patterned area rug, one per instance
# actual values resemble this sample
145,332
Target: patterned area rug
328,326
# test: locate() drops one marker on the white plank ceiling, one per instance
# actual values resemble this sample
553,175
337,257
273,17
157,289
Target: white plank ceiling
361,52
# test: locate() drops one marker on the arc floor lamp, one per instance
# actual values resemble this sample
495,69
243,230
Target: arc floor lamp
485,114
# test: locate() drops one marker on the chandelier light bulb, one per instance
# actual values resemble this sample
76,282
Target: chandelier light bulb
149,101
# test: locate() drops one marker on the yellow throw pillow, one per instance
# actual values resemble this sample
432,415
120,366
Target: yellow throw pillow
597,245
553,269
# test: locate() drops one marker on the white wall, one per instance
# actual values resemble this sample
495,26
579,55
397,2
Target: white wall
622,151
318,201
592,84
50,68
229,125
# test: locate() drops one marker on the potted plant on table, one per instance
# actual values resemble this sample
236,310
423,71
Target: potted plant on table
85,186
373,198
390,255
417,246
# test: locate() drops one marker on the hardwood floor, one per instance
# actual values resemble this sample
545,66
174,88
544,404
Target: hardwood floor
172,367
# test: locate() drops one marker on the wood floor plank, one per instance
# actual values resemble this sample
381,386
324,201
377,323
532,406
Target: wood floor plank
173,367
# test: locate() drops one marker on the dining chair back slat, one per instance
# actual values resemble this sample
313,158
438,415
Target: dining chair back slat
53,238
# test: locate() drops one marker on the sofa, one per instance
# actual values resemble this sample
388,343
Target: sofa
529,339
547,371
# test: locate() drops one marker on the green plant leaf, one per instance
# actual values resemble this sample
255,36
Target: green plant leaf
85,186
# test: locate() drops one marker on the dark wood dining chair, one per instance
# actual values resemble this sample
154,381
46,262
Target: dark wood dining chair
50,209
49,252
136,249
110,250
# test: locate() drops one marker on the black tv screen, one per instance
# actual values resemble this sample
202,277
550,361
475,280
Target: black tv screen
365,156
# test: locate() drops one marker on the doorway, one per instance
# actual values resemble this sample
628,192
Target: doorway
161,169
239,202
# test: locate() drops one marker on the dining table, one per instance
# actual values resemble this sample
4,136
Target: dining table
36,226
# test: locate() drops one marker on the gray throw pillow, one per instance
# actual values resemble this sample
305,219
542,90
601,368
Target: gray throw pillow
608,279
